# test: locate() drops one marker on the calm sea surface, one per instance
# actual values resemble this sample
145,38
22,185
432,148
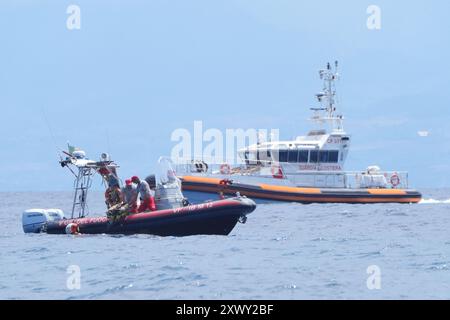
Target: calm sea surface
284,251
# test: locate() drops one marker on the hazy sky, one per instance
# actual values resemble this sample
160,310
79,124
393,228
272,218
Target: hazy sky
138,70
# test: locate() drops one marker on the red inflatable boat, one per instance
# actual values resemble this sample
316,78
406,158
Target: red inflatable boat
217,217
175,217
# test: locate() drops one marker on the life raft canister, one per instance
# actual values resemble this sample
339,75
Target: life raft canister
72,228
277,173
395,180
225,168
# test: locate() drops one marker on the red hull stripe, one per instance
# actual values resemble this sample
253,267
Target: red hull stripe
156,214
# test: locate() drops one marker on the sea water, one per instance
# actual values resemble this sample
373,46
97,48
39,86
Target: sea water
284,251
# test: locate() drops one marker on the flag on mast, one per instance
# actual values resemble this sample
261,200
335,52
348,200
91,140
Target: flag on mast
71,148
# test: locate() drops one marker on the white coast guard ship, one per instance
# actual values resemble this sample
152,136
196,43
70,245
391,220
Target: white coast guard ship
307,169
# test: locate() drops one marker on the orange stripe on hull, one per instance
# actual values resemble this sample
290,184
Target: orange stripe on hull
296,198
386,191
201,179
289,189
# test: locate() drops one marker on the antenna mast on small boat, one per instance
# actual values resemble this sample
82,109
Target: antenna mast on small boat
327,98
84,169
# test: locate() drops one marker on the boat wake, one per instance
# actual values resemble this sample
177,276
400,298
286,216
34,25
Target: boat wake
434,201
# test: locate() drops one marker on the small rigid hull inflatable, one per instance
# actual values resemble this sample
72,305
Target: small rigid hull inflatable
174,215
216,217
308,169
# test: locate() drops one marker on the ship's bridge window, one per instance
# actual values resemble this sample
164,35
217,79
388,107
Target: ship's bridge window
333,156
325,156
280,155
313,156
283,155
303,156
296,156
293,156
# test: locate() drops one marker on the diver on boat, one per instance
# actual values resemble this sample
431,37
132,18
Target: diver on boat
130,196
147,195
113,194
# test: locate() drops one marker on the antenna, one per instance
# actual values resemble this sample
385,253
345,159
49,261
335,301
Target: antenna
58,150
108,145
327,99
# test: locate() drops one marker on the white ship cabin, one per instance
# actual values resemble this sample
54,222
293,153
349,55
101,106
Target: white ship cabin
314,160
317,151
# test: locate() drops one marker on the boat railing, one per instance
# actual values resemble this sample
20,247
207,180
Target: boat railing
265,169
380,179
224,167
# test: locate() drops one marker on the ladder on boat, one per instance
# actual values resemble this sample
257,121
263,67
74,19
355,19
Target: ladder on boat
82,184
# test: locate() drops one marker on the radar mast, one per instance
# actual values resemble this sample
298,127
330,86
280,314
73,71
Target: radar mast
327,112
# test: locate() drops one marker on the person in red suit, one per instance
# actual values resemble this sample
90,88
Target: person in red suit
147,195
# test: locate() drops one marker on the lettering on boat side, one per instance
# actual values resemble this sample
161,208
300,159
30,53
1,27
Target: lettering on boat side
83,221
316,167
194,207
190,208
334,140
